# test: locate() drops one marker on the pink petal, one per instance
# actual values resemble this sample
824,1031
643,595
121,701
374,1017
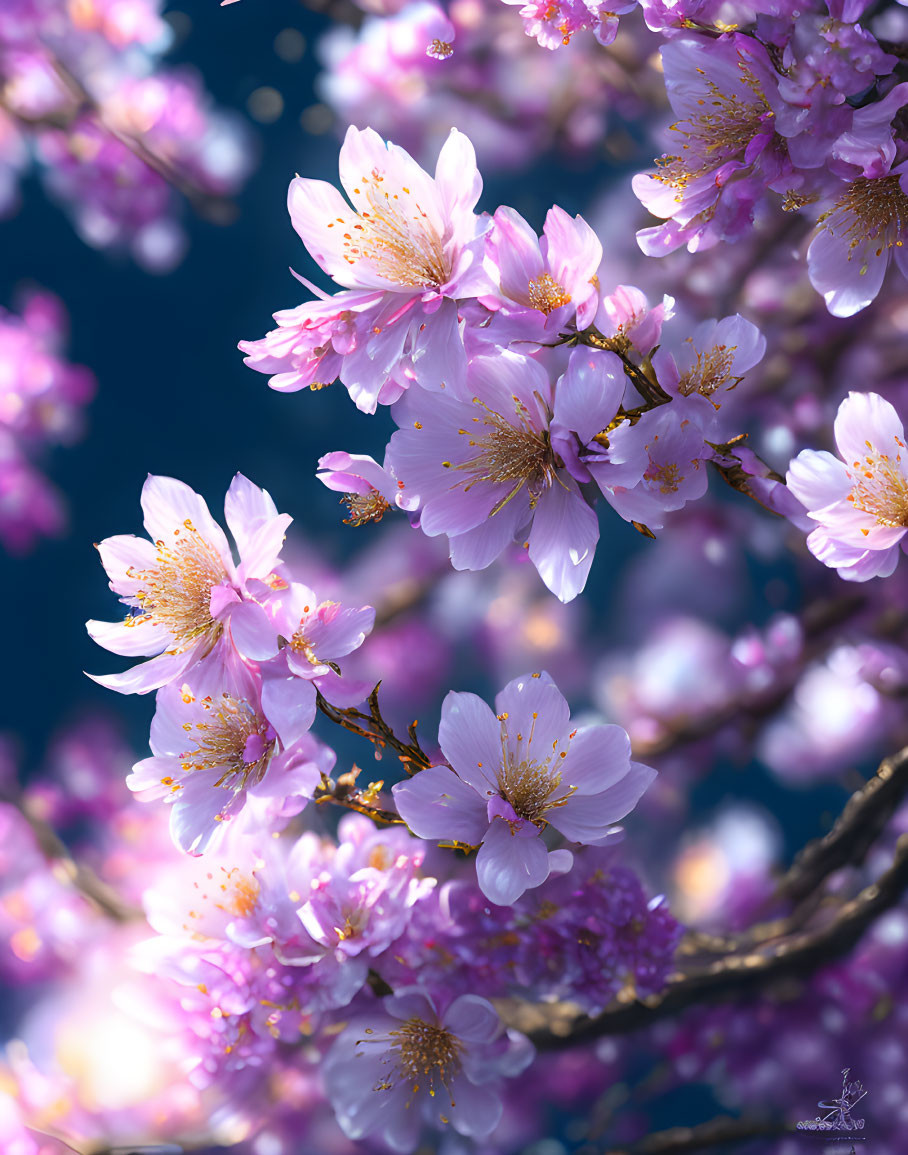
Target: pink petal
134,636
469,735
563,538
597,757
436,804
507,865
586,818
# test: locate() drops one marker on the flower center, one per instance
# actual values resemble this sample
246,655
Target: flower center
881,488
710,372
233,738
526,782
715,136
873,209
667,476
239,893
176,593
508,453
425,1052
395,235
528,787
365,507
546,294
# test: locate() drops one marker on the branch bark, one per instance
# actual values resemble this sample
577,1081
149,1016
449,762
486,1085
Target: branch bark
714,1133
751,963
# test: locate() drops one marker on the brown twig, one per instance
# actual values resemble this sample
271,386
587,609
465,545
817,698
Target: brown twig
647,386
82,878
819,619
714,1133
856,829
344,792
376,730
558,1026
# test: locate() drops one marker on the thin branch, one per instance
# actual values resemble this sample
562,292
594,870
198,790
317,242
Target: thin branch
218,209
648,387
819,619
81,877
344,792
856,829
376,730
714,1133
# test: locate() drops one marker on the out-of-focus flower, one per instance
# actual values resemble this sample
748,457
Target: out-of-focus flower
114,135
413,1066
41,402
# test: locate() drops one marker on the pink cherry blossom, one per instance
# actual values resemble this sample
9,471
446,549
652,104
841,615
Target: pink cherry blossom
706,190
866,226
674,467
414,1065
369,490
298,640
860,499
514,772
556,276
182,586
409,246
214,749
485,472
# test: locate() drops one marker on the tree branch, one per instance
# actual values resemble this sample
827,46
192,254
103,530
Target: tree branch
749,963
856,829
81,878
344,792
218,209
714,1133
376,730
816,623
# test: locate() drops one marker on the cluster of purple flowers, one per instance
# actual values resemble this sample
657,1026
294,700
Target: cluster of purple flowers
241,653
276,979
584,935
522,392
41,401
114,134
802,104
776,108
271,938
413,71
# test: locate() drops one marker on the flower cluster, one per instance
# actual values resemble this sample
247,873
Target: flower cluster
240,654
475,955
263,938
792,111
584,935
113,133
41,401
775,110
413,71
521,391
